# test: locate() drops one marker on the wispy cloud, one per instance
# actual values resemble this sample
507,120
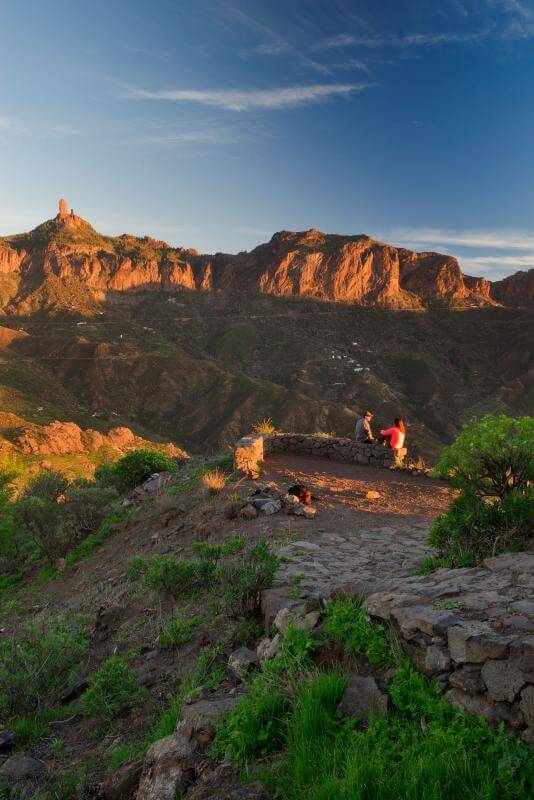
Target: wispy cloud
190,137
486,264
393,40
498,240
37,130
247,99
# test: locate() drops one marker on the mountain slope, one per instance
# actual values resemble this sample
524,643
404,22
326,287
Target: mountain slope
193,348
67,251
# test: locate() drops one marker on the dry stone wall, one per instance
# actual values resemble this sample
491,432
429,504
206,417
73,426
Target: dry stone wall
250,450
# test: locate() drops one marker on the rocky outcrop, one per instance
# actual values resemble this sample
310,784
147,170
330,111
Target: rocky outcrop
67,438
516,291
348,269
471,630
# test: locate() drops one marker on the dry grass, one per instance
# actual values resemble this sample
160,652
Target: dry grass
214,481
264,426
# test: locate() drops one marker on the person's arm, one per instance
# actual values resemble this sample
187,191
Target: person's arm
367,426
388,432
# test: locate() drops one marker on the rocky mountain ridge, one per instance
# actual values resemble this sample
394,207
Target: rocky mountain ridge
53,266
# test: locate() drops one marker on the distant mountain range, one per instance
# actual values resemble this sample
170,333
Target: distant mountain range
128,330
349,269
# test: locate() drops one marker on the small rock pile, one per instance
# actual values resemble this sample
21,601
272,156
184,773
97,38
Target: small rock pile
268,500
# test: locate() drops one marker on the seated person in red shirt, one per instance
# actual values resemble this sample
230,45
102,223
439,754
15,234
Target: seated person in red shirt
395,435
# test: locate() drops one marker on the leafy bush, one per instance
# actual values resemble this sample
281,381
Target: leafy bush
495,455
134,468
349,623
48,486
264,426
15,543
243,579
170,575
37,665
473,529
256,727
55,526
112,688
179,630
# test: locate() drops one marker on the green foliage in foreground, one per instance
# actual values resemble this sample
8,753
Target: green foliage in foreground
179,630
134,468
38,664
349,623
423,749
112,688
236,574
494,455
473,529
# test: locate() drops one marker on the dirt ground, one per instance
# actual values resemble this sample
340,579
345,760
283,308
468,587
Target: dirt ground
125,618
341,490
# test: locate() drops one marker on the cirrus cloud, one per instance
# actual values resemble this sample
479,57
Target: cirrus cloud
247,99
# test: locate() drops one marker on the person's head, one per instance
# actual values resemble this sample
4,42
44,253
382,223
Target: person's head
399,424
368,416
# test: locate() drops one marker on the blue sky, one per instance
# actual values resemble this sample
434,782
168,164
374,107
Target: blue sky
214,123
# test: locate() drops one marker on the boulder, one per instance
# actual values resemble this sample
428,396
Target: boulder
271,507
308,512
297,618
241,660
476,642
372,495
437,660
222,783
20,767
503,680
269,648
479,705
248,512
468,679
122,782
362,699
169,768
154,485
8,740
527,703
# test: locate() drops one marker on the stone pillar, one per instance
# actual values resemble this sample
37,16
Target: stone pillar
63,209
248,455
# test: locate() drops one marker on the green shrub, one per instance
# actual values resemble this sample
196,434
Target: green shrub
170,575
93,540
494,455
112,688
244,578
473,529
179,630
16,544
134,468
39,663
349,623
256,727
422,749
49,486
57,527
